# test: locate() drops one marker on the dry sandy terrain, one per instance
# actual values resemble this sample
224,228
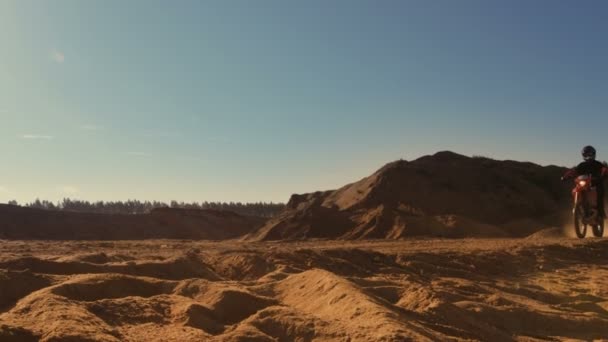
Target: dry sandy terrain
166,290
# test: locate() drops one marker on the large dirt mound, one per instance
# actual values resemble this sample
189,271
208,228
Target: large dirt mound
164,223
445,194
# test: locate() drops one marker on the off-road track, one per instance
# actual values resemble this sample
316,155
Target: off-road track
535,289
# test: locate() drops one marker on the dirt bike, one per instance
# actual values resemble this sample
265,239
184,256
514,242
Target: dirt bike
585,209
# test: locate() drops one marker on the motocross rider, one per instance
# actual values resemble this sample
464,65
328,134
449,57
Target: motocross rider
598,172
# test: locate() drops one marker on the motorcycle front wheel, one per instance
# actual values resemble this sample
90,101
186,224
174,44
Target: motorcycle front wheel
580,228
598,230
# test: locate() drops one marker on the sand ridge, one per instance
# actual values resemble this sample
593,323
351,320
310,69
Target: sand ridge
162,223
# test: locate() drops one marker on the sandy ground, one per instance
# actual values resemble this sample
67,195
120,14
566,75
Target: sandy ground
536,289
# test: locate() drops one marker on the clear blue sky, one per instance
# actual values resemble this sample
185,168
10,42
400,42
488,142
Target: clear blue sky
256,100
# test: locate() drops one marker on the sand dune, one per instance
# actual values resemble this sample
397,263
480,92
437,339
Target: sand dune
423,290
443,195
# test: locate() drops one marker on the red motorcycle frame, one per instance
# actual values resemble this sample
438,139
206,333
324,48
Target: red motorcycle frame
585,209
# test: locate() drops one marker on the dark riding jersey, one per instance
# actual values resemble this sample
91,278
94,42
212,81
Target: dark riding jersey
598,172
590,167
593,168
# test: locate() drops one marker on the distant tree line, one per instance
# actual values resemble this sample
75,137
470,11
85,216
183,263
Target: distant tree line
262,209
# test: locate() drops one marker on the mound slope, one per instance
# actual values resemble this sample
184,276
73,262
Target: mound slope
163,223
446,195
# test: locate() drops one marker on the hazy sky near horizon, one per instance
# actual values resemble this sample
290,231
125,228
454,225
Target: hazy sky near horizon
256,100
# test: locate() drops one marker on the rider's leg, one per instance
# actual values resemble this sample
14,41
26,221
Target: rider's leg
600,201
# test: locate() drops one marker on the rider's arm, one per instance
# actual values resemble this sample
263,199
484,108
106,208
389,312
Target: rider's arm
569,174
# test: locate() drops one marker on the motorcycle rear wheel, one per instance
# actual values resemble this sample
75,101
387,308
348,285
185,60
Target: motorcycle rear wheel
580,228
598,230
